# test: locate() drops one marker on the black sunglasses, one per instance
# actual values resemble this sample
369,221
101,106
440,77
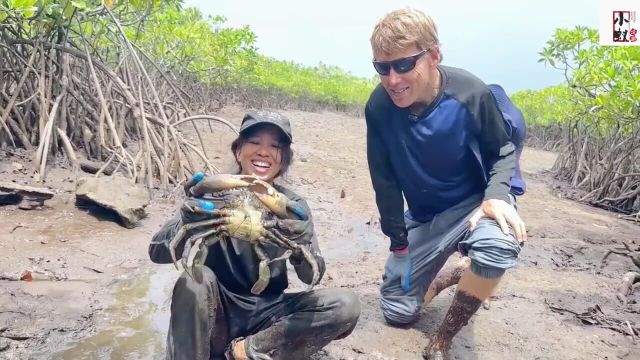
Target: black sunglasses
400,66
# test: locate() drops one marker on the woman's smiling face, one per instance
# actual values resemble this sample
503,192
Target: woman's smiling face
260,155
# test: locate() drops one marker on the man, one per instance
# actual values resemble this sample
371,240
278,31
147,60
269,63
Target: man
436,136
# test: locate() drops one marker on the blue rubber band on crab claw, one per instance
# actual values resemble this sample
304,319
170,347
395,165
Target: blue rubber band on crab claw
302,215
198,176
195,178
207,206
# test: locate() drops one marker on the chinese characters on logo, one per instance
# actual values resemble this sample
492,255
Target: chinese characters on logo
619,23
622,29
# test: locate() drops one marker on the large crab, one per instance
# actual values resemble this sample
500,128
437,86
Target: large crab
244,208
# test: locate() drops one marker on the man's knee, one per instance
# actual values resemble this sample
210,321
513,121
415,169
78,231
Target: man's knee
491,251
399,310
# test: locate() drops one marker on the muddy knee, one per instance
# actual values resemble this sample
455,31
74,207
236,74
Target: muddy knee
194,305
197,288
347,306
346,311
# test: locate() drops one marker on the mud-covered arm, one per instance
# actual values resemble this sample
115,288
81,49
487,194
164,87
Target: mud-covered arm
159,247
497,150
388,194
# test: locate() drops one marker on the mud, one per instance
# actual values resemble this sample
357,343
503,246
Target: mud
97,296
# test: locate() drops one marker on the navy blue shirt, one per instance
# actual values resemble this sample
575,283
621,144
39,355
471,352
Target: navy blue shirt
432,158
459,146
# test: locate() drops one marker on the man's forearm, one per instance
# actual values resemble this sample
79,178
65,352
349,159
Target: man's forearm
392,220
497,149
388,195
389,198
499,182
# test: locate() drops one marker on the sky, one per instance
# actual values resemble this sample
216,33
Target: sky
497,40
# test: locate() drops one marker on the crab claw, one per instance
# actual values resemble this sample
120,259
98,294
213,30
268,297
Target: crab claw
215,183
195,178
277,202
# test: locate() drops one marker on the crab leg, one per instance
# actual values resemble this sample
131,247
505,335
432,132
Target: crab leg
273,239
199,238
203,247
288,243
185,256
284,256
173,244
314,266
201,255
267,241
264,273
305,253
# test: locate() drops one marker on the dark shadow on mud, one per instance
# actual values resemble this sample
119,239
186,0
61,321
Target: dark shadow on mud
10,199
97,211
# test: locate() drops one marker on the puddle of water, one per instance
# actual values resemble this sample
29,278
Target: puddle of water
135,325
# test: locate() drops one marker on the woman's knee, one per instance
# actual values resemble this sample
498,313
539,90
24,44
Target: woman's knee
346,312
196,286
346,305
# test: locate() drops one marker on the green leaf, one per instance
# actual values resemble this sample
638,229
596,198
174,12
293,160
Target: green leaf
22,4
68,10
80,4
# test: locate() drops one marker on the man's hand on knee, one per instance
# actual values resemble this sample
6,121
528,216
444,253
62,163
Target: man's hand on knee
504,214
399,266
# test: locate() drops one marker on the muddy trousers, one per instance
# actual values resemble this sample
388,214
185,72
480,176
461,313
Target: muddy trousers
206,318
430,245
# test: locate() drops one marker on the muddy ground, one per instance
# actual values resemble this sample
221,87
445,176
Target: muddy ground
97,296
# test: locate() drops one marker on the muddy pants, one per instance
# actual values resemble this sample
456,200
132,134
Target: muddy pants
205,318
432,243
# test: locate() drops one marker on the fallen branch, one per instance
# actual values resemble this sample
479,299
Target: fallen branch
634,255
595,316
626,287
93,167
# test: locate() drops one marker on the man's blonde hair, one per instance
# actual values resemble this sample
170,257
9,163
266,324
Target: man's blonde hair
402,29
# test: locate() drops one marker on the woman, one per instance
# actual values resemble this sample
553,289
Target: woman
214,314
